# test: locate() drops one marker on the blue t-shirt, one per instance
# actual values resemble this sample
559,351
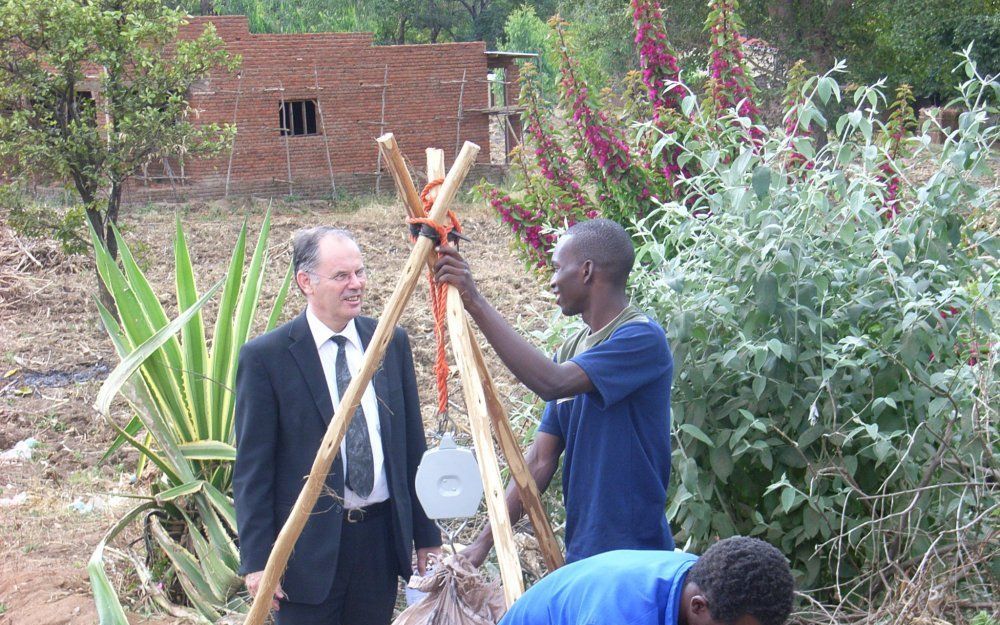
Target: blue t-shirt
617,437
614,588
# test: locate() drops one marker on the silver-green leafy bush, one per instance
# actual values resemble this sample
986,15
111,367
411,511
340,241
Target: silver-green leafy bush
836,362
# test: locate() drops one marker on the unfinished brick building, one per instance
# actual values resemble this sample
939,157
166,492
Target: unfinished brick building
308,108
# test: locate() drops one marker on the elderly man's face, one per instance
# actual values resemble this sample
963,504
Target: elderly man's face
335,288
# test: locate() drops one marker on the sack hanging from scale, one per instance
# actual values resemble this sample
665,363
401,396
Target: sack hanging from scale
456,595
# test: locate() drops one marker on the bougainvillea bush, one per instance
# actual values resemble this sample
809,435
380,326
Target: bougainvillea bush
830,305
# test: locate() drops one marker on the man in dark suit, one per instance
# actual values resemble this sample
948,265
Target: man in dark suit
363,529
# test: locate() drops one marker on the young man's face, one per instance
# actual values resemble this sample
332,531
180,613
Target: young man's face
335,288
567,281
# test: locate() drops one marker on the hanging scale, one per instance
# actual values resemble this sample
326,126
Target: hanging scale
449,485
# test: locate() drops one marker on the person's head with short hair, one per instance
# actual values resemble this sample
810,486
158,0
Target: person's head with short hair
596,253
606,244
330,272
738,581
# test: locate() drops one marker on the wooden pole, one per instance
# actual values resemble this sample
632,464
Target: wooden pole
232,148
526,486
381,130
393,158
287,130
489,466
326,137
435,164
278,559
461,113
479,424
528,490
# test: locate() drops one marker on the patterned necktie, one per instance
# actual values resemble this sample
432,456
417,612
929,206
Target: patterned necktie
360,464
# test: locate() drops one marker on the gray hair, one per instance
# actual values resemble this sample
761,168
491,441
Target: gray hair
305,245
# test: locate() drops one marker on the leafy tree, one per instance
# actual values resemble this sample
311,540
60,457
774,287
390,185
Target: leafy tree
915,41
606,27
273,16
91,96
906,41
391,21
438,21
420,21
525,31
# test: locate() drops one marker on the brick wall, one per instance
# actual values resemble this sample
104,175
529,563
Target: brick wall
344,74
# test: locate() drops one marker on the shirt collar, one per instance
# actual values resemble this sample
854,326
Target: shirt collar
321,333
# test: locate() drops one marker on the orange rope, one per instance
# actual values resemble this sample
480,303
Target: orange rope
438,292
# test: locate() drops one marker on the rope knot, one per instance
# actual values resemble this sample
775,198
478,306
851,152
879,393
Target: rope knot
427,227
452,233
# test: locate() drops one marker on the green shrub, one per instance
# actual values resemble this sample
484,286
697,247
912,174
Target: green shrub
180,386
836,367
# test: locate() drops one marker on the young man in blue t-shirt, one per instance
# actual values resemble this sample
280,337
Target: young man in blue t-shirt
608,394
739,581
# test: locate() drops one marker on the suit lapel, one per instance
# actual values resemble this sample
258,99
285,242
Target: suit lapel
366,329
303,349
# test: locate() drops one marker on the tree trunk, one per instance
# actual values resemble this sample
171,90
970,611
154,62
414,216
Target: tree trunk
111,219
401,30
97,223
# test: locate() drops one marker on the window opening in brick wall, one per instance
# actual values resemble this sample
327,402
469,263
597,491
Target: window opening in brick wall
297,117
84,107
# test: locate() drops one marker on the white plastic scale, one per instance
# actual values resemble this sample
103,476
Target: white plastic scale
449,485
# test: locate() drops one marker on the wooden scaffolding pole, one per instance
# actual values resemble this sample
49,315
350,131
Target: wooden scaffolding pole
526,486
461,113
489,466
278,559
285,131
527,489
326,137
381,129
232,148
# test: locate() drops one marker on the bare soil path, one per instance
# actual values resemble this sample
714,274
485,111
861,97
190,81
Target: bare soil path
55,506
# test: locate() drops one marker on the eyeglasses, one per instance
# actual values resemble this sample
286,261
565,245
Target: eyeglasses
342,276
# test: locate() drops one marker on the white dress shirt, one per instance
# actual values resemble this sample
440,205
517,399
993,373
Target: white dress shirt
369,405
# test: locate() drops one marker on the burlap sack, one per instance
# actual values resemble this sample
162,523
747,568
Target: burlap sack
456,595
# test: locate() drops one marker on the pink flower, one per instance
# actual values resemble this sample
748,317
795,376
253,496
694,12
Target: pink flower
729,82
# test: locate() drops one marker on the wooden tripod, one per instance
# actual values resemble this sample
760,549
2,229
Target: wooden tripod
483,405
420,255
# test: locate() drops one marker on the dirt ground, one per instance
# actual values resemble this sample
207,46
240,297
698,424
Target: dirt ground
55,506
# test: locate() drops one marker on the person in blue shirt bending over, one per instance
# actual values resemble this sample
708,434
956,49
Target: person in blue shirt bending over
607,392
739,581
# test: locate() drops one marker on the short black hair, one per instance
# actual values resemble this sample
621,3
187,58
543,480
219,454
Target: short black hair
605,243
745,576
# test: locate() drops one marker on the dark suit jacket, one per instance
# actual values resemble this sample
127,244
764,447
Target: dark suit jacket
283,409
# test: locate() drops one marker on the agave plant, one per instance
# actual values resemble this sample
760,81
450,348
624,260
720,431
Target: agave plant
181,393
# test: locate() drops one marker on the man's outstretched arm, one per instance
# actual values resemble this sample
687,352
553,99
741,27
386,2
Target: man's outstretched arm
543,460
533,368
